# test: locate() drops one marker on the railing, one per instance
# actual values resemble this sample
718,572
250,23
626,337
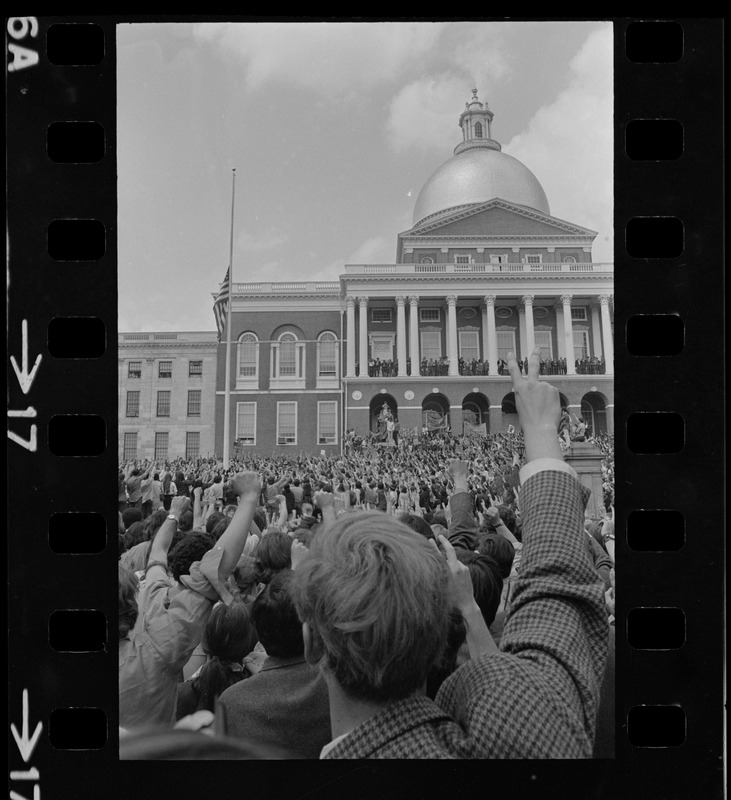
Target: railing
265,287
494,269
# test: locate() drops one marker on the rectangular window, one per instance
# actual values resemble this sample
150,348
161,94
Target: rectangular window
161,446
581,344
165,369
194,402
469,345
430,315
129,448
287,358
134,369
431,344
543,340
163,404
195,368
192,444
501,259
246,423
133,404
533,259
381,315
327,422
287,423
461,259
505,344
578,313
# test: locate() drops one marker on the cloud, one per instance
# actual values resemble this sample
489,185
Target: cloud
340,58
256,243
569,144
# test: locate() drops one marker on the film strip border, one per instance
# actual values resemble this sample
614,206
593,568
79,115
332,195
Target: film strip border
61,113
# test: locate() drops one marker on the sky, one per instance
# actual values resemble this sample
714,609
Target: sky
332,128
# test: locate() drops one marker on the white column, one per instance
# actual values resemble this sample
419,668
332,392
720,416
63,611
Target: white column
596,332
607,334
491,352
568,330
560,334
452,334
414,334
520,352
530,335
350,322
363,336
401,335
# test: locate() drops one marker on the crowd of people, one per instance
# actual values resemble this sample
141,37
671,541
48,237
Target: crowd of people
447,597
389,368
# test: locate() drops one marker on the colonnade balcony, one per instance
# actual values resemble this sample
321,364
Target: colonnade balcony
486,268
432,368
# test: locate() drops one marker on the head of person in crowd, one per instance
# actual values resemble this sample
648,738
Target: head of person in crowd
191,548
260,518
500,549
507,515
418,524
228,638
121,544
219,527
214,518
167,479
185,523
130,516
487,583
273,554
246,578
129,585
179,477
153,522
303,536
134,534
275,618
375,600
230,510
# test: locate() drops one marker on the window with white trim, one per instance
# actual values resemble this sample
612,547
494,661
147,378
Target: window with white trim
246,423
288,362
581,343
505,344
287,423
129,447
461,259
381,315
195,368
192,444
134,370
162,442
534,259
427,260
498,259
430,315
543,340
327,355
247,358
569,260
578,314
431,344
327,422
469,344
165,369
133,404
478,130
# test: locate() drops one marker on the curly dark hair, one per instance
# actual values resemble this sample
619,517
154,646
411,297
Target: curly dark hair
275,618
192,547
273,553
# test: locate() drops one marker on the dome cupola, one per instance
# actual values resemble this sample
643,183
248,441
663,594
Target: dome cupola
479,171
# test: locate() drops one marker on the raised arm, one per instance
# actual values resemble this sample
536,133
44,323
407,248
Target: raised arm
246,486
462,521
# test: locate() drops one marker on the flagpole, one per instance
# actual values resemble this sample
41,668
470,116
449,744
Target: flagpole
229,314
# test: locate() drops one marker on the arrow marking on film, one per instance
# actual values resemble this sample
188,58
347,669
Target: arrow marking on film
25,378
26,745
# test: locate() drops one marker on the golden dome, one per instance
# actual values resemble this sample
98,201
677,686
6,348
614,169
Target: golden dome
476,175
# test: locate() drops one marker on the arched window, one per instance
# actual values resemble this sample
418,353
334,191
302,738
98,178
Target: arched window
327,357
248,358
288,362
287,355
478,130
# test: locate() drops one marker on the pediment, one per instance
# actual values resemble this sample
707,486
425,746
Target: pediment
495,217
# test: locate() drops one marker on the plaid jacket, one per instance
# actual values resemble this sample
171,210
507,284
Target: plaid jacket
537,697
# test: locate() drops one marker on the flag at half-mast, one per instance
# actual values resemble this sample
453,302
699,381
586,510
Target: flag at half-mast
220,304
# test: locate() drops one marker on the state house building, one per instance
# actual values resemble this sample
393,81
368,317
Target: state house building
484,270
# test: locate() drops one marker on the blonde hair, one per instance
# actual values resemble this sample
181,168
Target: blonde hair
376,596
